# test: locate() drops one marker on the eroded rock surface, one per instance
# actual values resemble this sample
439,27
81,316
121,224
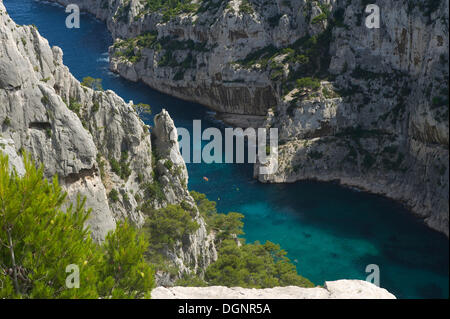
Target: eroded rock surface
340,289
91,139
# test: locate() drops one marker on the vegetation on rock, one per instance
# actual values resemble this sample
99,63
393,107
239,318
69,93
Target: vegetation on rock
239,264
40,238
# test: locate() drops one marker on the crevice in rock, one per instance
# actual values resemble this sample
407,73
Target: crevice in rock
83,173
40,125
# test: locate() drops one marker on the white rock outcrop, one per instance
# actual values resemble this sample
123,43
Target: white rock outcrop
196,250
340,289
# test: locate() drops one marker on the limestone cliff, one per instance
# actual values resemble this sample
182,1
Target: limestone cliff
380,122
340,289
366,107
93,140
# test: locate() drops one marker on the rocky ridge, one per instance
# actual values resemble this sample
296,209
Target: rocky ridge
93,140
365,107
340,289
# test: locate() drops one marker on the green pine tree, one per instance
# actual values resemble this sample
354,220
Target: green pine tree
39,239
125,273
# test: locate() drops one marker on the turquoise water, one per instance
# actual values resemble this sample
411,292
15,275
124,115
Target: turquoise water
330,232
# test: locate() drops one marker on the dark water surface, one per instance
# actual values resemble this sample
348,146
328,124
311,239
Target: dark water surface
330,232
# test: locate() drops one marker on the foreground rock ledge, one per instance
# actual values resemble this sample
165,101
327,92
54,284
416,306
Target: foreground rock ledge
340,289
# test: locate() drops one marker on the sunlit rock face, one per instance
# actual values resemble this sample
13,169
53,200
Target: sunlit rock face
91,139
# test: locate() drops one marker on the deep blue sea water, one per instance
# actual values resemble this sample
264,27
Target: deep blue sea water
330,232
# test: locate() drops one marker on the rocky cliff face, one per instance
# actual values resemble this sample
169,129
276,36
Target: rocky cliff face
340,289
93,140
197,250
205,47
366,107
382,122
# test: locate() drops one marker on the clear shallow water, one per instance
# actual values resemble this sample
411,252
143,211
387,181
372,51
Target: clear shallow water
330,232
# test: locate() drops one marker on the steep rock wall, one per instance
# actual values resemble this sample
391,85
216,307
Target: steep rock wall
93,140
382,123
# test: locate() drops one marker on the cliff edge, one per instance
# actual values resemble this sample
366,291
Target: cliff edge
340,289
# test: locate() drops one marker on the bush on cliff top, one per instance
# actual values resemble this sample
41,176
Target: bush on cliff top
90,82
39,239
170,8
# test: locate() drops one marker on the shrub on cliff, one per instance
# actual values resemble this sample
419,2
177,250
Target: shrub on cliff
308,83
246,7
39,239
90,82
124,273
253,266
168,225
170,8
247,265
226,226
122,167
